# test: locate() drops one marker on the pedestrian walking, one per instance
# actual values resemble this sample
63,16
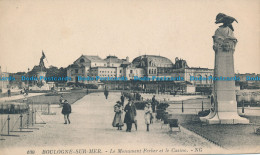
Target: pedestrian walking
117,122
61,100
130,115
153,103
26,91
148,115
9,92
138,97
106,93
66,110
122,99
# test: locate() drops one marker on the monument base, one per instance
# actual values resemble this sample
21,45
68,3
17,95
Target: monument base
224,118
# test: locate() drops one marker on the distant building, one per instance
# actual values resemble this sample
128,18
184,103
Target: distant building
113,61
81,67
92,66
18,82
148,66
103,72
158,66
248,81
151,63
4,83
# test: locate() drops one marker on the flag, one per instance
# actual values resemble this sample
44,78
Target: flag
43,55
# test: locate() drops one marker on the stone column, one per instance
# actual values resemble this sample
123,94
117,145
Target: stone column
224,104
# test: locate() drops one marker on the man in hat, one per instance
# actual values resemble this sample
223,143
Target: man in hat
66,110
129,115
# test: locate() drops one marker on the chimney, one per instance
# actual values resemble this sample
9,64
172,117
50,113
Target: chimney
127,59
176,59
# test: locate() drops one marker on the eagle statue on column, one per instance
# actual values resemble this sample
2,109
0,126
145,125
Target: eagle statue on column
226,20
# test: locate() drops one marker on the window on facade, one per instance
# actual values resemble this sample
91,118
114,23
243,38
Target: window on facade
82,60
76,70
200,81
149,71
131,71
120,71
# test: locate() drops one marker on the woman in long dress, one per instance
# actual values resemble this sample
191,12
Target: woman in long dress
148,111
117,122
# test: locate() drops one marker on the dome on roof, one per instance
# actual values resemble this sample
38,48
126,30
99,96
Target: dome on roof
152,61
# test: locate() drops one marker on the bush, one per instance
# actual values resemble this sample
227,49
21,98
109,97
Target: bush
258,131
203,113
91,86
162,106
70,83
206,90
140,104
128,95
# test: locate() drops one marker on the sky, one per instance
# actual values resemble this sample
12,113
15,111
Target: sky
65,30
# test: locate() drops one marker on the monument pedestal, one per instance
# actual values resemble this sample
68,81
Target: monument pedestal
225,118
224,104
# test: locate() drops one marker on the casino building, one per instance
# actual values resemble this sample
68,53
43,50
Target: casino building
142,66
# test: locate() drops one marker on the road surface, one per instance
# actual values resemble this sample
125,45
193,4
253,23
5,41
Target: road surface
91,125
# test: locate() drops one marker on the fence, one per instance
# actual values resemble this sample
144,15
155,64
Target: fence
22,121
187,107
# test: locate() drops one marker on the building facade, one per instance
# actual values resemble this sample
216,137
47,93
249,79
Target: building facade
91,66
248,81
4,82
151,67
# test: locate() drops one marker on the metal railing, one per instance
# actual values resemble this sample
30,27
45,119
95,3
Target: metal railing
22,121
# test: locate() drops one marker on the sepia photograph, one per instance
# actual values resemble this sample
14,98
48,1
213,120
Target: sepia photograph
129,77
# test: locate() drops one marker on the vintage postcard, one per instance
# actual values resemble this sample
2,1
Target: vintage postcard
125,77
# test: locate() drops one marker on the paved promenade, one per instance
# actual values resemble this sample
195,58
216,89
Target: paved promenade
91,125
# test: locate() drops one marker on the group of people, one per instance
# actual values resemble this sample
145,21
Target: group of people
24,91
119,109
130,115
